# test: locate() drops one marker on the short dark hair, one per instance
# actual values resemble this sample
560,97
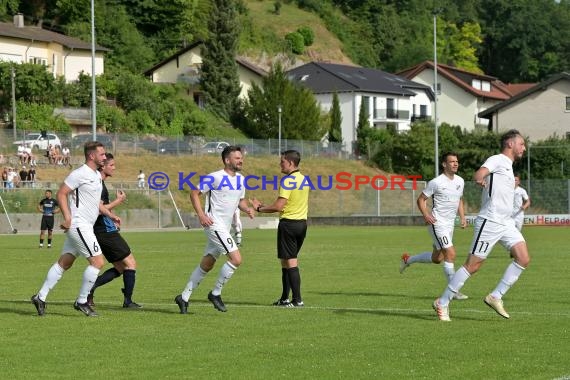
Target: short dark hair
109,156
447,154
292,155
510,134
91,146
229,150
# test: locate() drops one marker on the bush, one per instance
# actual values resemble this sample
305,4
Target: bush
308,35
296,41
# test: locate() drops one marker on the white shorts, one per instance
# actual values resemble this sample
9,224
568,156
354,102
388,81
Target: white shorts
487,233
220,241
441,235
81,241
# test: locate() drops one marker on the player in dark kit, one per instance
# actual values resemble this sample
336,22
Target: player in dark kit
48,207
114,247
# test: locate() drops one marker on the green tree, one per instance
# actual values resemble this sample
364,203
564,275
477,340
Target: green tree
363,131
335,131
300,112
34,83
296,42
219,78
308,35
525,41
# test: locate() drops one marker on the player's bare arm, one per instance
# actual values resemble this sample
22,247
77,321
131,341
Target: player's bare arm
422,205
244,206
205,220
480,176
276,206
461,212
62,195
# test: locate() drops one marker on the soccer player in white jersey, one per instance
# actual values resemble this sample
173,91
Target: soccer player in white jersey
521,203
493,225
225,192
79,199
446,191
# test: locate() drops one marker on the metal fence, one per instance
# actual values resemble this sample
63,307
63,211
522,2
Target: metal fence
118,143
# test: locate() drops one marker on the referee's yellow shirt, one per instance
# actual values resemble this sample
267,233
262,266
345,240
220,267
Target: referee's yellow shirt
296,191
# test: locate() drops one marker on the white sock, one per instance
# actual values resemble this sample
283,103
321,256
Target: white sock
510,276
195,279
226,273
454,286
448,270
54,274
89,277
424,257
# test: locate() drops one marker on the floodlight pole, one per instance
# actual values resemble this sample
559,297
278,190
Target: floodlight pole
13,77
93,82
436,128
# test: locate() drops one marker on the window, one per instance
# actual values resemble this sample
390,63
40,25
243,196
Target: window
391,109
423,110
476,83
568,103
486,86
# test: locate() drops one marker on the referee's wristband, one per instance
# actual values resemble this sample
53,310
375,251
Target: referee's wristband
258,208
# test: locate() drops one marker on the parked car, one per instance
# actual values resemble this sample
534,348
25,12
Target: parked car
78,141
213,147
36,140
174,147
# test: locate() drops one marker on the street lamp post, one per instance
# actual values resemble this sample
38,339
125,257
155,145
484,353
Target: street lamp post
93,82
13,76
279,109
435,12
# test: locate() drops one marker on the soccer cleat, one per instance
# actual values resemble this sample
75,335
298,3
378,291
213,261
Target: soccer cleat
39,304
85,309
49,245
296,304
442,311
460,296
404,262
131,305
90,300
41,246
217,302
183,305
282,303
497,305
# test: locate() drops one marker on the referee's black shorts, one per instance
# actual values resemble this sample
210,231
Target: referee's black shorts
290,237
113,246
47,223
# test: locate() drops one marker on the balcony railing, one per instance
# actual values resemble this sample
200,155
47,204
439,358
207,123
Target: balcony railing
383,114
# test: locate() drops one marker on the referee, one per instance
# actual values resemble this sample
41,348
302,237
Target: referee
292,203
48,207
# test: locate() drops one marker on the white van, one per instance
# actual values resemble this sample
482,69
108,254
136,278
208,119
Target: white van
35,140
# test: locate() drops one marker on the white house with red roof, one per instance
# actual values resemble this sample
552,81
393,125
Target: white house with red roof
462,95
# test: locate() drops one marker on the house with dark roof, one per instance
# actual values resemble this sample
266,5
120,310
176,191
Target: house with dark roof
184,67
60,54
538,112
388,99
461,95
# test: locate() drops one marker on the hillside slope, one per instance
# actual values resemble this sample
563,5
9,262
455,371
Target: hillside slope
326,47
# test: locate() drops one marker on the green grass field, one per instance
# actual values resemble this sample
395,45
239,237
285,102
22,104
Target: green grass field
363,320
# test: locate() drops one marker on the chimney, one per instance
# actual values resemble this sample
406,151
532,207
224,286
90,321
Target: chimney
19,20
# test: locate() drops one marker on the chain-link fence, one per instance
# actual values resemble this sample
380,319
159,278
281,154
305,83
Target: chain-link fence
161,145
